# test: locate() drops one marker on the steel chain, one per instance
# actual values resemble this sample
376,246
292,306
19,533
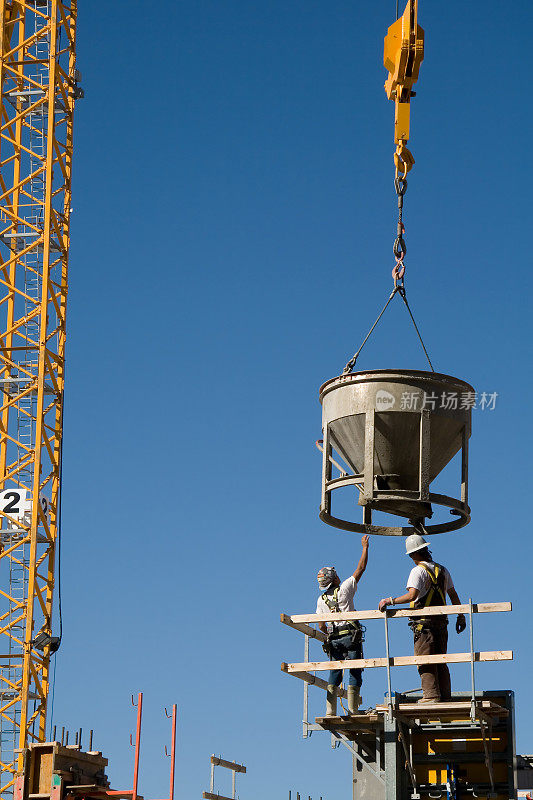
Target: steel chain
399,247
403,158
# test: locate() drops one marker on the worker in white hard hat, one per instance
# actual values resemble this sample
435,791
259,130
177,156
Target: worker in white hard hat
344,639
427,585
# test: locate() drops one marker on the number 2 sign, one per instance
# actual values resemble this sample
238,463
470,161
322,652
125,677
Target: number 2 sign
45,504
15,503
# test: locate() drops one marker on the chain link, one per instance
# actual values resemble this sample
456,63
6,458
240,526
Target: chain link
403,161
399,247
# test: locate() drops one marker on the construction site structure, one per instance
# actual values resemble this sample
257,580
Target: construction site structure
217,761
56,770
39,87
524,768
404,750
433,750
52,770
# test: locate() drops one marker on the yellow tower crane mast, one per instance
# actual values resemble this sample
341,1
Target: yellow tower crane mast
38,92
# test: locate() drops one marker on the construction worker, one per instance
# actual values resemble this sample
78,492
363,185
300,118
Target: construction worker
427,585
344,639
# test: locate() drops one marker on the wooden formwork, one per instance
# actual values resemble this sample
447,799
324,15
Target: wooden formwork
52,770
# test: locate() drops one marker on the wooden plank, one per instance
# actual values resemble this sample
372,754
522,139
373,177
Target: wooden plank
352,721
394,613
447,707
303,628
210,796
400,661
313,680
221,762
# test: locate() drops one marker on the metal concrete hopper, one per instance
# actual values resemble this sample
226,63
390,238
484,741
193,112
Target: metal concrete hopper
395,431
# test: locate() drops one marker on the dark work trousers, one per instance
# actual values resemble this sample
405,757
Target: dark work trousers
430,641
343,648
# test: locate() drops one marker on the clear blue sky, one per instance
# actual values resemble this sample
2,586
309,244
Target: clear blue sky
231,245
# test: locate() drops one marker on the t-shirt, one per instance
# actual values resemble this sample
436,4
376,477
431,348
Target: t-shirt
345,596
419,579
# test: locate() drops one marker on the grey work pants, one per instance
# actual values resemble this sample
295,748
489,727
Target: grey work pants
436,683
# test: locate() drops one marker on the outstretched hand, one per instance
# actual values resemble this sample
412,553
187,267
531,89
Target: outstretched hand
460,623
365,540
384,603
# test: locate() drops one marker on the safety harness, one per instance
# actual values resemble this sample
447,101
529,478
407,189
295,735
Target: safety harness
354,628
436,596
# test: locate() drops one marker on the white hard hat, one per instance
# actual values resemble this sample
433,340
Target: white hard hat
414,542
325,577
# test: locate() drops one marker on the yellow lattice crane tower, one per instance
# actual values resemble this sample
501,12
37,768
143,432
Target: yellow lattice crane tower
38,92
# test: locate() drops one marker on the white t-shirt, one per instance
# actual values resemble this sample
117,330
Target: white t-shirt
347,590
419,579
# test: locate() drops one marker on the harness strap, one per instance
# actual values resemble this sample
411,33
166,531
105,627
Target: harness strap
332,602
435,586
428,599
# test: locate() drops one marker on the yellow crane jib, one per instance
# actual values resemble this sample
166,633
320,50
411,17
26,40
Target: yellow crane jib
403,54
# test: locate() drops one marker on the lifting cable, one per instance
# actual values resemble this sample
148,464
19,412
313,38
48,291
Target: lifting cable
399,250
398,289
405,36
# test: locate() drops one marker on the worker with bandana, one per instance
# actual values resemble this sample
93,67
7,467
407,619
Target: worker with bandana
344,639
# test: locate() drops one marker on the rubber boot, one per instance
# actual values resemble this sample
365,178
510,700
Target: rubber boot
354,699
331,701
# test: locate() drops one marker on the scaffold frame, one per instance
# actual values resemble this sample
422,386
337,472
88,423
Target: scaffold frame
390,727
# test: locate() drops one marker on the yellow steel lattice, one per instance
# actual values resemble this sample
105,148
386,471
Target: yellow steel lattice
38,92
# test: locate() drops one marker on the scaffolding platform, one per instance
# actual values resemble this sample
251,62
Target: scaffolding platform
352,725
406,750
453,709
367,722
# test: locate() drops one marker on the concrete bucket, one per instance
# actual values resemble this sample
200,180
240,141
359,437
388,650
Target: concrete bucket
394,431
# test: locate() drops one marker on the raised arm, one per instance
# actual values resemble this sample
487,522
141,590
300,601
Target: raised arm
363,561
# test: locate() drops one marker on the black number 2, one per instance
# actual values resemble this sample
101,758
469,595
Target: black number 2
14,500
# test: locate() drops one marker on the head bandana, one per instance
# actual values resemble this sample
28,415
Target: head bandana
325,577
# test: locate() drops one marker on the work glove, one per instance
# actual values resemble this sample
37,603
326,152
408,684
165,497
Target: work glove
460,623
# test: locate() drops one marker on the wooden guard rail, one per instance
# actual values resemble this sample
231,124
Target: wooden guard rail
221,762
301,622
217,761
